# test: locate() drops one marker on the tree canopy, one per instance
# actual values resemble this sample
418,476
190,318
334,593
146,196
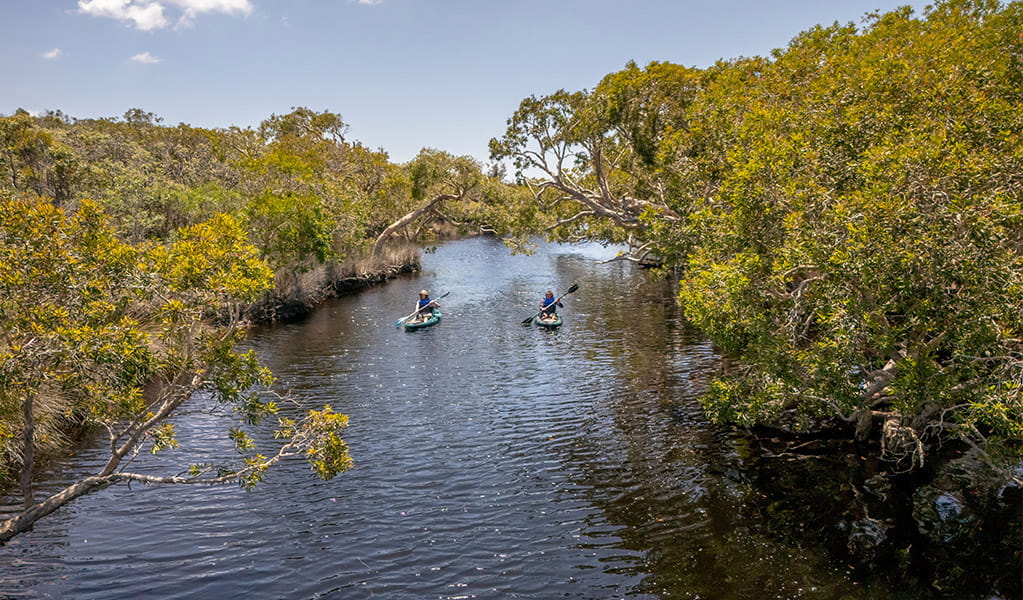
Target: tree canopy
99,332
860,253
593,159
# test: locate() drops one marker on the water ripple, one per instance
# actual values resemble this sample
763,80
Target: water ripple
492,461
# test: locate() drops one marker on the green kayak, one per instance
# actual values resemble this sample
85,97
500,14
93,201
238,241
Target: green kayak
411,325
550,322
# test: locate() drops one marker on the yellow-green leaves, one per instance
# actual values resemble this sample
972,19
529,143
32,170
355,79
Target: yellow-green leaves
857,246
214,258
163,438
121,335
290,227
328,453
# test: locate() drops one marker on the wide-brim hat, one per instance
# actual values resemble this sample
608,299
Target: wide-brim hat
424,293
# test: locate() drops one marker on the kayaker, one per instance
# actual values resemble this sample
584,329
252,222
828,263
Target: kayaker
425,306
549,305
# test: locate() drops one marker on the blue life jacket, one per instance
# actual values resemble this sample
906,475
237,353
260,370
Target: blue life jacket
547,304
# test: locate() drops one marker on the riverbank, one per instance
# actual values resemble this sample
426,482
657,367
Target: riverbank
296,296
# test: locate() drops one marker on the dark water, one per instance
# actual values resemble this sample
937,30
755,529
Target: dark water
492,461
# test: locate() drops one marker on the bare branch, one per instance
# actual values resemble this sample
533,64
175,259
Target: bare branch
409,218
572,219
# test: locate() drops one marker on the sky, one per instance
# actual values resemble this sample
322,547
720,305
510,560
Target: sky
403,74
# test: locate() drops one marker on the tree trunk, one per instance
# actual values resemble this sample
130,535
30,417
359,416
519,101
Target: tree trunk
404,221
28,452
864,425
31,514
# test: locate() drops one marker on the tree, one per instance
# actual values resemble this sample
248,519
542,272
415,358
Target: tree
860,252
34,162
305,158
594,158
119,337
448,189
288,228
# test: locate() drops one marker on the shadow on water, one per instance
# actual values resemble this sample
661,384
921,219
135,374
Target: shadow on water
493,460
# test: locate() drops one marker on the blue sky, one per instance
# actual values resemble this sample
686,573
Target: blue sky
404,74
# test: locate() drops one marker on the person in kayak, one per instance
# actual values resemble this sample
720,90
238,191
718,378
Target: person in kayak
424,306
549,306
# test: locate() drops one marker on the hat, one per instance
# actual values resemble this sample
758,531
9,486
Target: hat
424,293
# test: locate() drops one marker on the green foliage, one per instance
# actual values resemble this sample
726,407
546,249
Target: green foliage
33,160
163,438
452,194
860,246
120,336
67,328
596,161
434,172
210,260
288,228
328,453
305,194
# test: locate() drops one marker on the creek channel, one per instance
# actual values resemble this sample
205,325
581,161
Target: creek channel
492,460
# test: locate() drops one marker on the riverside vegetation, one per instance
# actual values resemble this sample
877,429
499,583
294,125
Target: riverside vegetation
843,218
132,255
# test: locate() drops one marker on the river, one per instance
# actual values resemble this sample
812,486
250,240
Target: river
492,460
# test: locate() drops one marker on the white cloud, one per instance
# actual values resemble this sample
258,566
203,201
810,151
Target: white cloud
225,6
149,14
52,54
142,14
370,2
145,58
193,8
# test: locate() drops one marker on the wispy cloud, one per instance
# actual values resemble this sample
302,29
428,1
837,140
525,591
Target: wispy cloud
147,15
52,54
370,2
145,58
193,8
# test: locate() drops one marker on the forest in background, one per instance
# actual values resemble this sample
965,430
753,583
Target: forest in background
307,197
843,218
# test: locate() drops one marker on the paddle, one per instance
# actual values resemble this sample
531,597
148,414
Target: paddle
556,300
399,322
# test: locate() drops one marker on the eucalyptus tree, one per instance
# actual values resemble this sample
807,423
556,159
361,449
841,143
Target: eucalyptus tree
594,159
119,337
309,178
452,191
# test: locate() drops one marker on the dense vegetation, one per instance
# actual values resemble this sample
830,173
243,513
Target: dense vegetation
304,194
844,217
132,254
